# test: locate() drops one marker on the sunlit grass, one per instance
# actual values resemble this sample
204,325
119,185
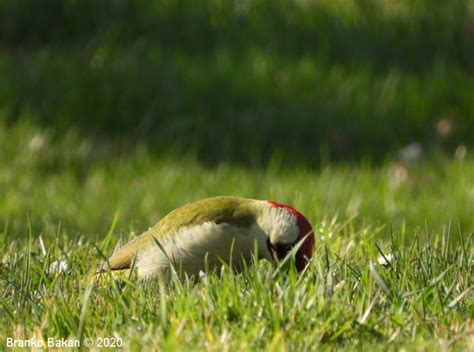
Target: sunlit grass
422,298
62,195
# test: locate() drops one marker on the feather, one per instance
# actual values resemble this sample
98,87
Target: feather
234,211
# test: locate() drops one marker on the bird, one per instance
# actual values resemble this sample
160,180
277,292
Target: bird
204,234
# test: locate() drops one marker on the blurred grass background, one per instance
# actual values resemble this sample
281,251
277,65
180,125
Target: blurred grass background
241,80
140,106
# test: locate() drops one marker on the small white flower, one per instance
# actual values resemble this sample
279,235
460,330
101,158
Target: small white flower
202,275
397,175
460,153
37,142
411,153
58,266
385,260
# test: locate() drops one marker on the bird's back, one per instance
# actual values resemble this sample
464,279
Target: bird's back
235,211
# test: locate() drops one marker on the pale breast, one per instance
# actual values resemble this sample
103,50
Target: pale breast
201,247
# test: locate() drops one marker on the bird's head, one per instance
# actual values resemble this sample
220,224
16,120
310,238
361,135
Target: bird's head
285,228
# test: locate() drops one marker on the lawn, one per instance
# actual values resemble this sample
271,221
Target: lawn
392,266
359,113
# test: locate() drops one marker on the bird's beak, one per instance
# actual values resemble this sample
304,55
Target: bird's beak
279,251
271,249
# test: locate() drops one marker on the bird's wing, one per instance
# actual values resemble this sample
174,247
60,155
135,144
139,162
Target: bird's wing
237,211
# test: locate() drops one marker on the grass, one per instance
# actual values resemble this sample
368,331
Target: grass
66,198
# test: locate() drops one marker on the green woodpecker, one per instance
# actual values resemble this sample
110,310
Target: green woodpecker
205,233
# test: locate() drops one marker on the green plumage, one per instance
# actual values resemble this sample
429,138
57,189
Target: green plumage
232,210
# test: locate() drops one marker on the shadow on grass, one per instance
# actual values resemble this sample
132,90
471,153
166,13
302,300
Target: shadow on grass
242,82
